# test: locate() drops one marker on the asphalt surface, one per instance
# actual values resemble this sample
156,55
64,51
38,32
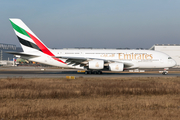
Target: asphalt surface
32,72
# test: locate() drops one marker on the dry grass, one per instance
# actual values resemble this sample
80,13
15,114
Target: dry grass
90,98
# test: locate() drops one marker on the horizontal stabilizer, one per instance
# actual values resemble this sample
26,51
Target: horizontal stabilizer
21,54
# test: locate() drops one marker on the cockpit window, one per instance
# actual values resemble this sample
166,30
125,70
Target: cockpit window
169,58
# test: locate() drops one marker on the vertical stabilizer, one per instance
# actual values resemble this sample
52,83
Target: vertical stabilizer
28,40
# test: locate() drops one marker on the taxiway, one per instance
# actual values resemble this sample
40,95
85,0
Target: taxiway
31,72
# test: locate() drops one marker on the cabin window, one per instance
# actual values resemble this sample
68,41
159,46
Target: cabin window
169,58
69,53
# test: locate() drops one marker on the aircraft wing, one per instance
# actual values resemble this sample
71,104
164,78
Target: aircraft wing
82,61
75,60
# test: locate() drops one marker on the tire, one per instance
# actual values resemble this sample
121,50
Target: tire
99,72
164,73
86,72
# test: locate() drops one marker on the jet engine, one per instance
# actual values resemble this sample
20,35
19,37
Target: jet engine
116,66
96,64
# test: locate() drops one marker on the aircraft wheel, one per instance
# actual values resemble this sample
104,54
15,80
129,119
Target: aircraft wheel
164,73
86,72
99,72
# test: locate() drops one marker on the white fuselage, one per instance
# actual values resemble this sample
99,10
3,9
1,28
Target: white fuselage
133,58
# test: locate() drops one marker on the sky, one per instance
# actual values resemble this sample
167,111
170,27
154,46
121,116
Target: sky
94,23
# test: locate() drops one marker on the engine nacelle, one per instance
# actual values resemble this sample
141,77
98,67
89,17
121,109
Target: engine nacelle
96,64
116,66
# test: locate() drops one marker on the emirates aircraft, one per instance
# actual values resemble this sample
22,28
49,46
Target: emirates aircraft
94,61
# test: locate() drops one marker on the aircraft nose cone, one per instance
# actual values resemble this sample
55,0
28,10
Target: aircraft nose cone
174,63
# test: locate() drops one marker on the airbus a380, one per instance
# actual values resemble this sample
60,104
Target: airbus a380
92,60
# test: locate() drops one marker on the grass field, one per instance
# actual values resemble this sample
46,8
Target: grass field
143,98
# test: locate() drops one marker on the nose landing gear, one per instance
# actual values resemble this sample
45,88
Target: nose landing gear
165,72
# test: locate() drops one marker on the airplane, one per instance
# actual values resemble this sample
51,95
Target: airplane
93,61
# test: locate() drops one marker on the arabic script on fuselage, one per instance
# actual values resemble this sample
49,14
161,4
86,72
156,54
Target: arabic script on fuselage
131,56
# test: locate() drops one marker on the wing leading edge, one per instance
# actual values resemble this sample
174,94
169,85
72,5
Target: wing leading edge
82,61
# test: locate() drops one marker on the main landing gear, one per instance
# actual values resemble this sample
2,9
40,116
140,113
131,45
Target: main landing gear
93,72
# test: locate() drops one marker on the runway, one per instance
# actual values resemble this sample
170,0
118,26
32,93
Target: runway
62,73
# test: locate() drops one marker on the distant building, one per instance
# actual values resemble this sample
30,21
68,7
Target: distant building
172,50
8,47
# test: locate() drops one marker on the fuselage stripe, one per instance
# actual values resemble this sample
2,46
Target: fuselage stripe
43,48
